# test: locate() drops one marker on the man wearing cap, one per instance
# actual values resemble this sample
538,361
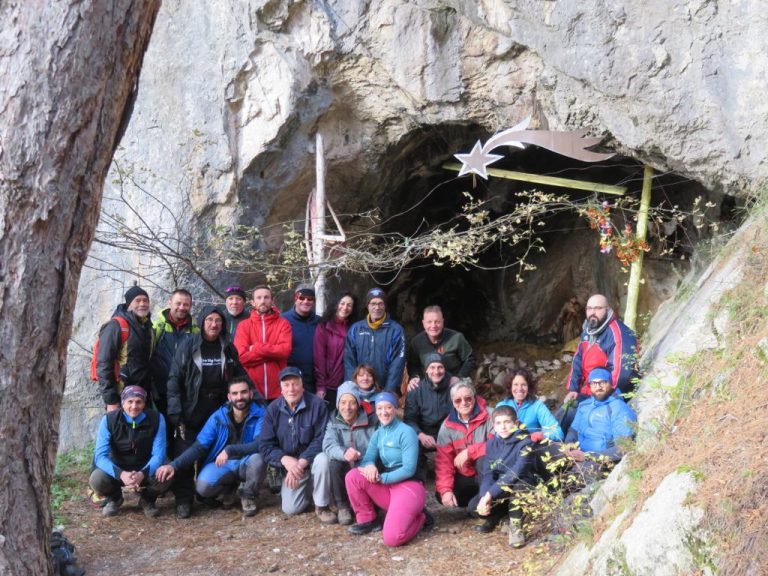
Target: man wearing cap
303,322
263,342
124,361
197,386
227,450
427,406
171,328
602,423
350,427
457,354
234,309
291,437
379,341
605,342
130,447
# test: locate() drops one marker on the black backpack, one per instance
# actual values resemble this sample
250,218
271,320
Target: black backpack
64,557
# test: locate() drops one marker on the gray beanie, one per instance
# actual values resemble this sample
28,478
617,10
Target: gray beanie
431,358
347,387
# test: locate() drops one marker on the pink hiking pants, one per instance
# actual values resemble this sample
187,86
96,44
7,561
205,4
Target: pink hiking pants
403,502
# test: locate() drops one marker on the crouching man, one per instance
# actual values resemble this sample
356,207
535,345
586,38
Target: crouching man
228,447
130,447
291,438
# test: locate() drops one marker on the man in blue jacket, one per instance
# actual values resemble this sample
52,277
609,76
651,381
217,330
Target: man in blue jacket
228,448
291,438
379,341
130,447
601,424
303,322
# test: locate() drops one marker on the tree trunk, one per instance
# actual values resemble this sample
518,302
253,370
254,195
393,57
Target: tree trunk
68,73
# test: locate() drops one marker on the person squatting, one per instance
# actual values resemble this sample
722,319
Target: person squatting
340,414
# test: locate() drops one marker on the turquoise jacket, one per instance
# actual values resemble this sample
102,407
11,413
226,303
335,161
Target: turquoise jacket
394,449
536,417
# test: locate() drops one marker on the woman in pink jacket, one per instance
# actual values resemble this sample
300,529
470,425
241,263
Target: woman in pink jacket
330,337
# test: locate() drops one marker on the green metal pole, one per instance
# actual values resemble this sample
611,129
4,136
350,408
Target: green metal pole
635,273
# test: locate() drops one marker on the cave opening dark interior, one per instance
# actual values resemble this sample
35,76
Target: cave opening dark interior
415,191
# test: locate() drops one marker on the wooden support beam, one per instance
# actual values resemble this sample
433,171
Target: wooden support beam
549,180
636,270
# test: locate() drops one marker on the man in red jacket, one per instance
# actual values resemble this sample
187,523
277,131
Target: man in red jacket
263,342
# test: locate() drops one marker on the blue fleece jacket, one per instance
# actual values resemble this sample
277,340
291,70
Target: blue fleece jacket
219,433
599,424
536,417
394,449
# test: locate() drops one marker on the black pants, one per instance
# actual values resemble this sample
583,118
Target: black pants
184,480
465,488
504,506
104,485
339,470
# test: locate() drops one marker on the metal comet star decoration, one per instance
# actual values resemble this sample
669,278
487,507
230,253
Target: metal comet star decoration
571,144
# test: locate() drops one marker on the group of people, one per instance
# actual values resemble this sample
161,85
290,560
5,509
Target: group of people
313,406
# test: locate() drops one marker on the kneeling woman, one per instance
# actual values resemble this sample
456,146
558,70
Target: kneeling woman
385,478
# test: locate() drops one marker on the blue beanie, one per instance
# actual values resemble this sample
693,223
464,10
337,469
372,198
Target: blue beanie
385,397
600,374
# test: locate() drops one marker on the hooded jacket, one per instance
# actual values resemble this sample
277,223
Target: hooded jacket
339,435
263,343
508,461
330,339
426,407
613,345
383,348
455,436
219,433
133,357
599,424
186,378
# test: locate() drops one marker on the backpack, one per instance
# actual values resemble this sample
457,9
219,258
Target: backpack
63,556
124,333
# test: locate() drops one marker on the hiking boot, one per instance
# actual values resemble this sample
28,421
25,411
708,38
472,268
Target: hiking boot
429,520
183,510
516,535
228,499
149,508
345,516
274,479
487,526
365,527
250,506
111,507
325,515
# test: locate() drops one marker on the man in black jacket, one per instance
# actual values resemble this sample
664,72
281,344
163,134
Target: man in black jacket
125,347
197,387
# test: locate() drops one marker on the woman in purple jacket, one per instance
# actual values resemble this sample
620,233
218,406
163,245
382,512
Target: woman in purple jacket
328,354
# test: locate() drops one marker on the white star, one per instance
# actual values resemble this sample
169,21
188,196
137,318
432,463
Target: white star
476,161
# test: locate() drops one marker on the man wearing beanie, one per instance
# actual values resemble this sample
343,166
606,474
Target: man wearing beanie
130,447
234,309
125,347
602,423
377,340
350,427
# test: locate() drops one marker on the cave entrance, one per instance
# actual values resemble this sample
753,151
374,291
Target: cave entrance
489,303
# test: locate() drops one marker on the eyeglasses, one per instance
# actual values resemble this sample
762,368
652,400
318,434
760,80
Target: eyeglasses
590,308
599,383
305,298
464,400
376,305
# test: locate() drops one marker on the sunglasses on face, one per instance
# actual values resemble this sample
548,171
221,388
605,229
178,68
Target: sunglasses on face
303,298
464,400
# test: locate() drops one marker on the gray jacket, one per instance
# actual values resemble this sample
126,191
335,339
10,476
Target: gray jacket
339,435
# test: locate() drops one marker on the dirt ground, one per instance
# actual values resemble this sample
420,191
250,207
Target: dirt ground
216,541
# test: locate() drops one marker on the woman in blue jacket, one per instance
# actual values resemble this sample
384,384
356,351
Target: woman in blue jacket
385,478
531,412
